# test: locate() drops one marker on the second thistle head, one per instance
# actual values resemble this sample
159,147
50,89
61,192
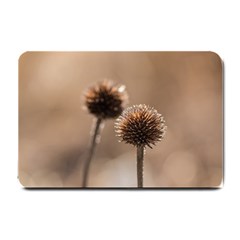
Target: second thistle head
140,125
105,99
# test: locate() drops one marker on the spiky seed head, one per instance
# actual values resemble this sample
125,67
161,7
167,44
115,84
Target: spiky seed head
140,125
106,99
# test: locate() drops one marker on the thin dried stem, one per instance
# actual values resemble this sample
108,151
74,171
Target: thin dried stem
95,136
140,154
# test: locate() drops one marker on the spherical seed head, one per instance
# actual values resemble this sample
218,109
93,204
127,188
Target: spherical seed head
105,99
140,125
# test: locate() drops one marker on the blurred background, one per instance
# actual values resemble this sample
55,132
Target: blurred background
54,129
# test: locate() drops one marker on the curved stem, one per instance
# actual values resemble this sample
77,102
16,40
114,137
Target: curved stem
91,152
140,153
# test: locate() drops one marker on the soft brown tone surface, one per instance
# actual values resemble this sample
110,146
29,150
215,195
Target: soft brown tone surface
185,87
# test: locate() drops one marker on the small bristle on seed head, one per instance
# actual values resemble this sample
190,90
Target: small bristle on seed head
106,99
140,125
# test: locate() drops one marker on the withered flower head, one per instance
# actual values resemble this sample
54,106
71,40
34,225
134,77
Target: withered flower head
140,125
106,100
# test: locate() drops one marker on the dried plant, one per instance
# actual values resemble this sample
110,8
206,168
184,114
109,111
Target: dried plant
104,100
141,126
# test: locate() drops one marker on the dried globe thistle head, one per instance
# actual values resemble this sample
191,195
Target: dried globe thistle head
106,100
140,125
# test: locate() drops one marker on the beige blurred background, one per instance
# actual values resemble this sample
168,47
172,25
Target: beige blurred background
186,87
